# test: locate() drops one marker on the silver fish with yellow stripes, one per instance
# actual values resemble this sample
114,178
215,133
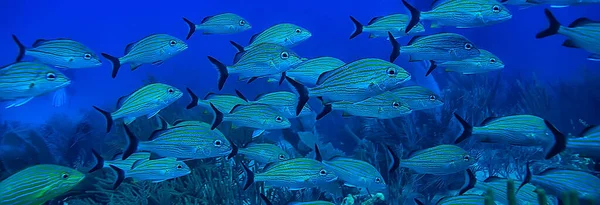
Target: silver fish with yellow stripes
223,102
295,174
559,182
418,97
436,47
519,130
225,23
268,202
582,33
148,100
285,102
261,117
265,60
587,144
383,106
38,184
61,52
22,81
485,62
439,160
467,199
353,82
118,161
264,153
284,34
308,72
381,25
153,49
460,13
156,170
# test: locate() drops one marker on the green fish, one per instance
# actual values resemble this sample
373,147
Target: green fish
284,34
483,63
156,170
62,53
439,160
582,33
559,182
526,196
308,72
436,47
418,97
261,117
467,199
148,100
154,49
225,23
284,102
460,13
268,202
295,174
118,160
381,25
588,144
223,102
518,130
38,184
22,81
383,106
264,153
265,60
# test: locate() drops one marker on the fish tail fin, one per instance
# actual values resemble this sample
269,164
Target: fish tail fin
116,63
432,67
241,95
99,162
222,68
218,117
359,27
467,129
249,176
22,48
470,181
303,94
265,199
560,141
395,159
527,178
194,97
318,155
234,150
326,110
415,16
237,46
132,143
120,176
192,28
395,47
552,29
108,116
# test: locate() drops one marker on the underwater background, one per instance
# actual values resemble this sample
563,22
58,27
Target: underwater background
540,78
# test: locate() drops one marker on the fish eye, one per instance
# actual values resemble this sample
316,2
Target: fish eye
242,22
396,105
172,42
391,72
432,97
323,172
378,180
466,158
50,76
468,46
284,55
218,142
496,9
179,166
281,157
278,119
65,176
87,56
170,90
298,30
492,60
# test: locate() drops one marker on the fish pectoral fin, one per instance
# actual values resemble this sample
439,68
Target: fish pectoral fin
559,6
257,133
128,120
373,36
150,115
135,66
18,102
594,57
569,44
158,63
59,98
157,181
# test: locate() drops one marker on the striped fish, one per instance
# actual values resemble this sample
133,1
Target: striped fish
223,102
353,82
268,202
156,170
418,97
436,47
264,153
354,173
284,102
118,161
467,199
284,34
62,53
22,81
386,105
261,117
460,14
558,182
148,100
483,63
381,25
38,184
154,49
588,144
297,173
519,130
265,60
439,160
308,72
582,33
225,23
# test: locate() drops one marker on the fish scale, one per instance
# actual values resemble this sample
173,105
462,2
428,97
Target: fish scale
356,173
264,153
417,97
559,181
158,169
395,23
383,106
266,55
148,50
148,99
61,52
295,173
22,81
283,34
283,101
308,72
439,160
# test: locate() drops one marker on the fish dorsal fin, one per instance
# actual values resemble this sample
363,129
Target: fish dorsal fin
155,134
117,155
414,153
208,95
412,40
374,19
548,170
205,19
259,96
335,157
138,162
238,56
240,95
178,122
493,179
235,108
324,76
438,3
488,120
253,38
268,166
39,42
588,130
582,22
128,47
121,100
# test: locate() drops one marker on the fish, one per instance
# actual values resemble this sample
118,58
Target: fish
522,4
148,100
563,3
443,159
284,102
264,153
153,49
382,106
467,199
587,144
268,202
196,141
295,174
582,33
224,23
437,47
308,72
459,14
22,81
38,184
417,97
558,182
223,102
283,34
353,82
263,61
156,170
261,117
485,62
381,25
518,130
61,52
117,160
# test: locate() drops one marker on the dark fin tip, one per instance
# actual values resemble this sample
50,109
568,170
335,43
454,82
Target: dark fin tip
326,110
240,95
234,150
527,177
470,183
194,97
120,176
223,73
192,28
467,129
395,159
552,28
359,27
99,162
395,48
249,177
265,199
108,116
218,117
560,141
318,155
431,68
302,92
116,64
22,48
237,46
132,143
415,16
418,202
